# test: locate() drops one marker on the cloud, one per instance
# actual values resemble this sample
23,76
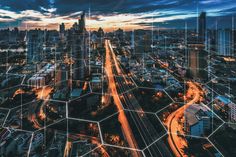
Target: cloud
113,13
5,17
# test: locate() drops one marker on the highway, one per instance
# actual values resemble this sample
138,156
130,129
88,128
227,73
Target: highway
128,134
145,128
178,143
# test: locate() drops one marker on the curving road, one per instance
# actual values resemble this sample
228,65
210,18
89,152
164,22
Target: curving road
177,143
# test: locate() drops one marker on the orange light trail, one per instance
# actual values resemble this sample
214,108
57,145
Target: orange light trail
122,117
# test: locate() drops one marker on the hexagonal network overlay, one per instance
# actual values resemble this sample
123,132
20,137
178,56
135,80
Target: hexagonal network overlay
92,107
14,143
67,137
224,139
145,99
35,115
140,127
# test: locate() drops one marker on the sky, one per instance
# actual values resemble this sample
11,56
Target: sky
114,14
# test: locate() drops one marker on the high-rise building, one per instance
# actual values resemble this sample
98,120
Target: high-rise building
197,61
62,31
100,33
132,42
79,48
34,42
62,28
234,42
224,42
120,34
82,23
202,27
75,26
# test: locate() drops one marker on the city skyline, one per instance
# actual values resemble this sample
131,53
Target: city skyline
109,15
128,78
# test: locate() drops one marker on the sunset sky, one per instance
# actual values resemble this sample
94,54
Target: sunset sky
113,14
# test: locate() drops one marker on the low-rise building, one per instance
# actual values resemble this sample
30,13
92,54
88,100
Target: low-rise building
43,76
197,119
232,112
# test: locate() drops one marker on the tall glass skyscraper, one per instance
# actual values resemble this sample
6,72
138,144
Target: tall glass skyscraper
202,27
224,42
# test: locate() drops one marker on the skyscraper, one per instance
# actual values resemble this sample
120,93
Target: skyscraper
82,23
224,42
197,61
62,28
79,49
62,31
34,42
202,27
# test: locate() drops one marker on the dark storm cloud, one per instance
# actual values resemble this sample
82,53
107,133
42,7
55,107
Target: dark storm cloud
113,6
30,19
21,5
5,17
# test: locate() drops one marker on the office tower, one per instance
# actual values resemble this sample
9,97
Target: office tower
202,27
82,23
120,34
234,42
100,33
75,26
133,42
34,42
79,48
62,28
197,61
62,31
14,35
224,42
100,36
147,42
